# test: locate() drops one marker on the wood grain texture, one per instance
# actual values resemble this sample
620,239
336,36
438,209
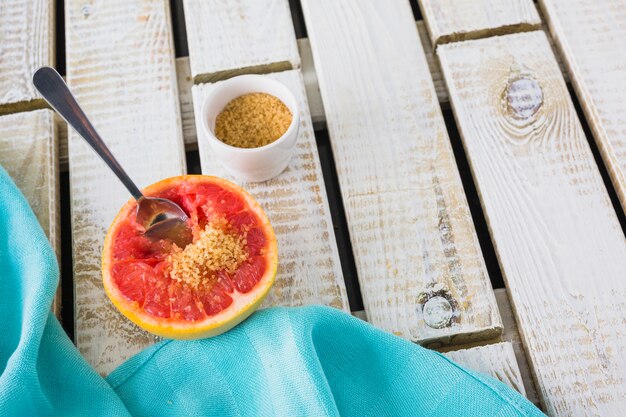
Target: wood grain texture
29,153
27,42
497,360
590,37
120,66
558,241
459,20
309,271
185,82
62,133
228,38
414,242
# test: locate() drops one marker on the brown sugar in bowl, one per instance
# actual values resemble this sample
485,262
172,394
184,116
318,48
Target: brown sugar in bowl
256,163
252,120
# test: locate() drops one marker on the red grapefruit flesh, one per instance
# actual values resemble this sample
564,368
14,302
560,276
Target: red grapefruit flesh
146,283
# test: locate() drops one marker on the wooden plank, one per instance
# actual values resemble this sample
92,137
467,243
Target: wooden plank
460,20
557,237
497,360
120,65
309,271
28,152
590,36
239,37
27,42
419,263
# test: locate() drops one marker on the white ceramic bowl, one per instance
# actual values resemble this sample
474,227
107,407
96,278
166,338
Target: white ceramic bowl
251,164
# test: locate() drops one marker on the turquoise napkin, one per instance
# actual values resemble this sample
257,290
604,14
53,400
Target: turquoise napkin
310,361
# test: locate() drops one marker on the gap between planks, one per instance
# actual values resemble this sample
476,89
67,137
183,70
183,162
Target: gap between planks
185,82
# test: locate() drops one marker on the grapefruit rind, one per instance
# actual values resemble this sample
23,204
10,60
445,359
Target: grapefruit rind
243,304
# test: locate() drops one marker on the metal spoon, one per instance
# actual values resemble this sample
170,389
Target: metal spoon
161,218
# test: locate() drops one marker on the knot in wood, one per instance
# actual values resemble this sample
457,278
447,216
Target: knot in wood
523,97
86,10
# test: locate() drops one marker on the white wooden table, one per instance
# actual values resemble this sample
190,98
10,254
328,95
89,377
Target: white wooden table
483,146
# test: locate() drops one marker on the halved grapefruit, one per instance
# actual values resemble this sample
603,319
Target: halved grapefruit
206,288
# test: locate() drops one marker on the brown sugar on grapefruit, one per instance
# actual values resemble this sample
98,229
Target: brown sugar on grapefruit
205,288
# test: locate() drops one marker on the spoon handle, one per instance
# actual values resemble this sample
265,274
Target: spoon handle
57,94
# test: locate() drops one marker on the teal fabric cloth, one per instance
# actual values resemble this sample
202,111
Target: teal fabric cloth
311,361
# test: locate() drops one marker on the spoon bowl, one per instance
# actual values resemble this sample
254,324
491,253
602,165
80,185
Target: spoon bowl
163,219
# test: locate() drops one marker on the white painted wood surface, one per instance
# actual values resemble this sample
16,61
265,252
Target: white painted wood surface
309,271
120,66
590,36
497,360
228,38
412,234
459,20
560,246
27,42
316,105
29,153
